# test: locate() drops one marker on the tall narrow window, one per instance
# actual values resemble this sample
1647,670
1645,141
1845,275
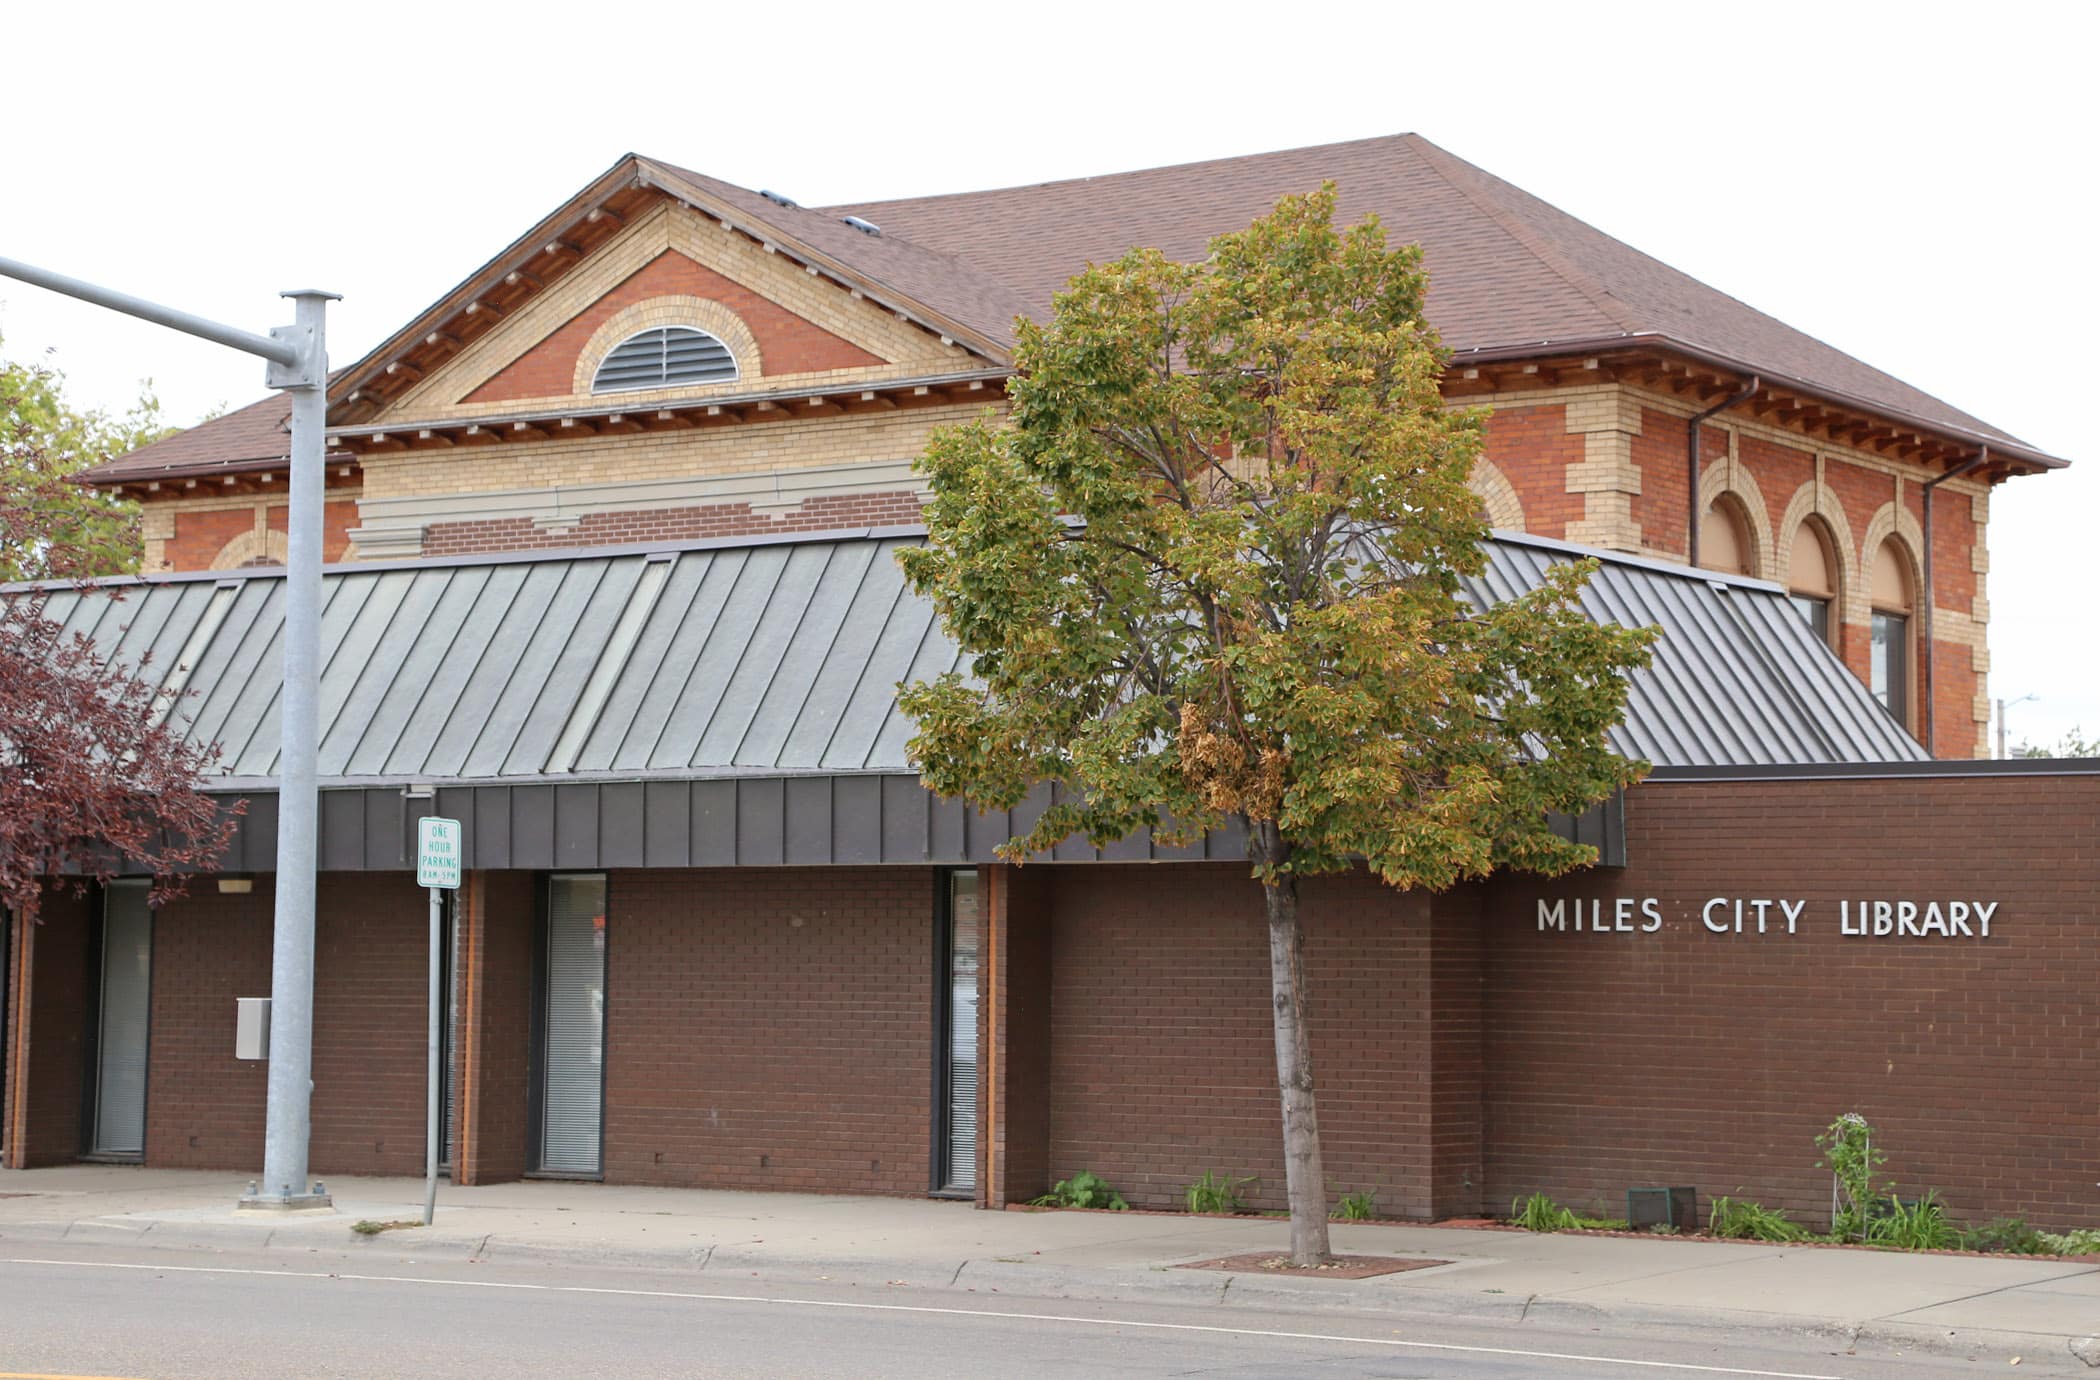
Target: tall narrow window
665,357
1889,654
121,1025
957,1170
572,1088
1812,575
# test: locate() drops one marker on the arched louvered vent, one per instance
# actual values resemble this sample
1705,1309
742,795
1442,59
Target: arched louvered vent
665,358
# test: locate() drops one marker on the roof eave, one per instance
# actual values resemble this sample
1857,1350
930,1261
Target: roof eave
2000,447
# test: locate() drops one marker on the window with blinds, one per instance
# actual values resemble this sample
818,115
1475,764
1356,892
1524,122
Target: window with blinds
965,944
120,1041
573,1055
665,357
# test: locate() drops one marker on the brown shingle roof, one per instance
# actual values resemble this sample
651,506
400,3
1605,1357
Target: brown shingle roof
1506,269
1508,273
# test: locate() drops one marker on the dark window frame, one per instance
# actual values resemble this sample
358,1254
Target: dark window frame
937,1185
536,1081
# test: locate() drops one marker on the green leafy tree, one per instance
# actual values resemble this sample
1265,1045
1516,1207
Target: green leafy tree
1210,571
44,444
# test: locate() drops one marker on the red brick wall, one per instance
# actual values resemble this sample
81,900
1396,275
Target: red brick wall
1162,1053
1663,506
1013,1162
823,514
205,1108
1532,448
771,1028
497,918
48,1005
202,533
1685,1057
787,344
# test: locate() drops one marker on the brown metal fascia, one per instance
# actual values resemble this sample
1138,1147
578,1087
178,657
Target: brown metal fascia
516,255
2001,448
793,246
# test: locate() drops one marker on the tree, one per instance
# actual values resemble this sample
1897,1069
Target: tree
2074,744
1210,570
95,774
44,444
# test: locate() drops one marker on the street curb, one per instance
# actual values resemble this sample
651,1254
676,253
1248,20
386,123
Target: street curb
1043,1282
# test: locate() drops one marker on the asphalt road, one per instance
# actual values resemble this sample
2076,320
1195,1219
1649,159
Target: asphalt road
89,1313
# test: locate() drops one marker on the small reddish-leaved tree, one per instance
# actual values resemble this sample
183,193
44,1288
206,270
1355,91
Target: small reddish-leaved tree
96,778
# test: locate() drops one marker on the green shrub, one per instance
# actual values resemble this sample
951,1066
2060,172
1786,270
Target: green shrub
1918,1226
1540,1213
1739,1219
2084,1241
2009,1234
1216,1193
1583,1223
1086,1189
1356,1207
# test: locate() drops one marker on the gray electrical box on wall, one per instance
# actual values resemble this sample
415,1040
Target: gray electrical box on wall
251,1028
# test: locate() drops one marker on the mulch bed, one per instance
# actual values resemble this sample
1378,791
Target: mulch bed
1341,1267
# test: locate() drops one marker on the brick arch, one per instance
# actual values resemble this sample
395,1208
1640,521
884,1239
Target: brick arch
252,548
1815,499
705,313
1504,509
1735,480
1893,520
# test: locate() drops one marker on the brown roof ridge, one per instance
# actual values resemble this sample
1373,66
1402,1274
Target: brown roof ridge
1054,182
1465,179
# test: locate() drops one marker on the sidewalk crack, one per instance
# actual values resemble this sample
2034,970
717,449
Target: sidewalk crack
1529,1299
1986,1293
958,1274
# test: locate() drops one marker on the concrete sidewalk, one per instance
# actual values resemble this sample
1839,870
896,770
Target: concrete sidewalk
1945,1303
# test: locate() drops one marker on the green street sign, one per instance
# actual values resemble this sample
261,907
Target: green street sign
437,853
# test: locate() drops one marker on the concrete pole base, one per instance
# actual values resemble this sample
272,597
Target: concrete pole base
278,1204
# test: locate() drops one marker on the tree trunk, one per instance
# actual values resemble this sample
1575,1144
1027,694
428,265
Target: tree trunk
1305,1182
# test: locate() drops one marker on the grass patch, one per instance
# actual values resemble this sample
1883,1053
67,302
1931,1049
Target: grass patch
367,1227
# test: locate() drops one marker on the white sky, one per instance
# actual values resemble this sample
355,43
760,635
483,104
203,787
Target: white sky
1914,183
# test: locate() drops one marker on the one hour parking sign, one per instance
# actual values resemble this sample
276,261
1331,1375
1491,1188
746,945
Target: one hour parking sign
437,853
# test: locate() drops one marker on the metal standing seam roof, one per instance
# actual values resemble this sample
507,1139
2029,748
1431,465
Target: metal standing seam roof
781,658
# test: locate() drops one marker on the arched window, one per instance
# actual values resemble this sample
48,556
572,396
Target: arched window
664,357
1812,574
1890,592
1725,544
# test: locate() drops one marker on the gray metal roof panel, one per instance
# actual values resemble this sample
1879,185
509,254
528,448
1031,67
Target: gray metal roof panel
782,659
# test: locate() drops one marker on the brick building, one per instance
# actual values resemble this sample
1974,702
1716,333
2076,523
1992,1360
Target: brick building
612,522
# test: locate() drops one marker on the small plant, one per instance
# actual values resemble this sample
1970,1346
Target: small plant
1356,1207
1540,1213
1739,1219
2084,1241
1217,1193
1918,1226
1583,1223
367,1227
2011,1235
1086,1189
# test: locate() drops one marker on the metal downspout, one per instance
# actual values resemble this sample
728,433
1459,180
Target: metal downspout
1691,453
1929,650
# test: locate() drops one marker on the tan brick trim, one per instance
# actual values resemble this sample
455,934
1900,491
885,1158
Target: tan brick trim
1815,499
700,312
1728,475
1504,508
265,544
1892,520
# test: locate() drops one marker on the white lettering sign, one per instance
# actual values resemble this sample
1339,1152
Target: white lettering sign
1893,918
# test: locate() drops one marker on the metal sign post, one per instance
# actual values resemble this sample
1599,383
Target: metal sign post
437,867
298,364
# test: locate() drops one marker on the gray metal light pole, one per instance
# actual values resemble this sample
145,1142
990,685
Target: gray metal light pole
298,364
